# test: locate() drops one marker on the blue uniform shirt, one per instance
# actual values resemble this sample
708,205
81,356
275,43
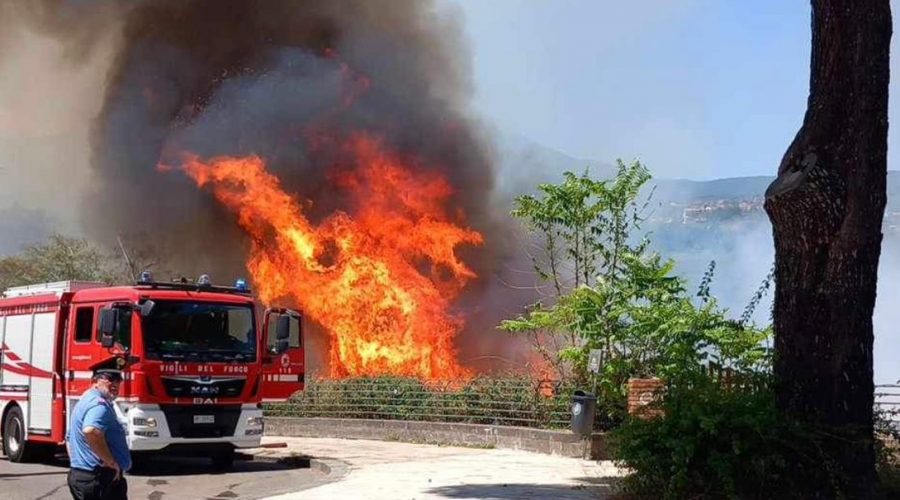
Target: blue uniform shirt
93,410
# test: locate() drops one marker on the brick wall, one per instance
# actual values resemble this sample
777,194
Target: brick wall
642,392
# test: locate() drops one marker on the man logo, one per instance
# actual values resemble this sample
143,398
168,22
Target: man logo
285,361
204,390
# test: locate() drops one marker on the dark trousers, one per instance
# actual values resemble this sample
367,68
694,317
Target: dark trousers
99,484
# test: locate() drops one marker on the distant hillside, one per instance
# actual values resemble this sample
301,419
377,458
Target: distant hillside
679,190
522,164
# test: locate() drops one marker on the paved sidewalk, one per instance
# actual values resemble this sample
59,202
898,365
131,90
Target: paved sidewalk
391,470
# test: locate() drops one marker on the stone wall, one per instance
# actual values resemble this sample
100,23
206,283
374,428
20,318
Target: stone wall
562,443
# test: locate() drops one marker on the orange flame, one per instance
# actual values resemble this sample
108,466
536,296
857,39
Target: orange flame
381,280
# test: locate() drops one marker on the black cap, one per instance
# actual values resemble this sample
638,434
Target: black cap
109,374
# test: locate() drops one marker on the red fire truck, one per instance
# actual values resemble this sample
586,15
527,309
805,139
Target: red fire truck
199,361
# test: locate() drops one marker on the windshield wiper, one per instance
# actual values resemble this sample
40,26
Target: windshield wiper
231,354
206,356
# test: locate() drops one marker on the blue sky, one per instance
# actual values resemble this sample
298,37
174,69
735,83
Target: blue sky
694,88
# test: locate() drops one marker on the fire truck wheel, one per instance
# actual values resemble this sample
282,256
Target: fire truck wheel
16,448
140,463
223,461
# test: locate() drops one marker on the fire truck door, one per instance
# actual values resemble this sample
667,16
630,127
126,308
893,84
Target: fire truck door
83,350
29,343
2,344
282,373
43,348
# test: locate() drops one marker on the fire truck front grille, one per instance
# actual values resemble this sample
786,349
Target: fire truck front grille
196,388
197,421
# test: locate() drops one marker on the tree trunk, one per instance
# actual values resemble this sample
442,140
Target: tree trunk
826,208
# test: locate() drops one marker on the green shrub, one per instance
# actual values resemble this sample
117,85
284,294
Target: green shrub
514,401
715,441
887,451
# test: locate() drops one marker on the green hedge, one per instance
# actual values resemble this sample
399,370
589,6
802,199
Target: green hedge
485,400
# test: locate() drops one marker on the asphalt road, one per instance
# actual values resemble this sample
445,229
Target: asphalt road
168,479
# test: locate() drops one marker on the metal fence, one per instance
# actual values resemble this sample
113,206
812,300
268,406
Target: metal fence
499,401
887,403
522,402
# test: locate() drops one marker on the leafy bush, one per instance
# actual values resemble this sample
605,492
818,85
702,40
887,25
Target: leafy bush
610,294
887,451
716,441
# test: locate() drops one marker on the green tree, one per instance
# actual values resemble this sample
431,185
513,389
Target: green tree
610,293
580,229
826,207
61,258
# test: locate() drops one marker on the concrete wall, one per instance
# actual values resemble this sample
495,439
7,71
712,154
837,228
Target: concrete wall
562,443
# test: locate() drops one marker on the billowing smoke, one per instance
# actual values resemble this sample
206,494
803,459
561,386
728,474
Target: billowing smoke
49,91
273,78
282,79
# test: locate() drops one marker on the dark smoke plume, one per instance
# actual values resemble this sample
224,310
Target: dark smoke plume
235,77
280,79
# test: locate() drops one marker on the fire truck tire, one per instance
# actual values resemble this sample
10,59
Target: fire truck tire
140,463
15,447
223,461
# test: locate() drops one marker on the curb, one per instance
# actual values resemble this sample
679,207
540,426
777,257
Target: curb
331,467
550,442
297,461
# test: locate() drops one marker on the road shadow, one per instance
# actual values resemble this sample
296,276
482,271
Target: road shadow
503,491
14,475
57,460
163,466
178,466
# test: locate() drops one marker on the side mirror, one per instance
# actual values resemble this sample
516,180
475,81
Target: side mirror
147,307
297,316
283,328
109,323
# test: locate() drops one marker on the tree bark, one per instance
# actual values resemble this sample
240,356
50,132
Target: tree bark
826,208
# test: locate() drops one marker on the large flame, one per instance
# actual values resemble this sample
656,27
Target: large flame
380,277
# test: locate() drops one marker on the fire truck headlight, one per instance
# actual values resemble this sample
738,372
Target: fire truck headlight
144,422
255,422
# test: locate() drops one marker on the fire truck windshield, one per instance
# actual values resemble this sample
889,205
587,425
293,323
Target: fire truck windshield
199,331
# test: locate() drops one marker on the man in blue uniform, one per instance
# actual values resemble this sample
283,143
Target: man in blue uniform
98,450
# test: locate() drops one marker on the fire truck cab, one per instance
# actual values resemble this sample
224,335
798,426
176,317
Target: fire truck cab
199,361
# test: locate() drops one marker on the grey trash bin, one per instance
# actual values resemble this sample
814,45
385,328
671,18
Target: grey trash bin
584,407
